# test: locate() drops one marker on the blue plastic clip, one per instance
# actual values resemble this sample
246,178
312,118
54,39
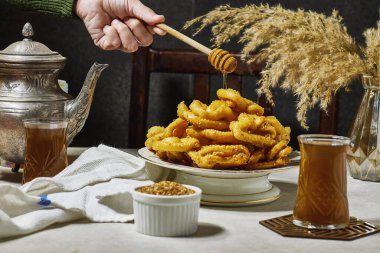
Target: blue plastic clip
44,200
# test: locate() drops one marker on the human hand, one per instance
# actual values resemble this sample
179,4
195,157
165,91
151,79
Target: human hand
119,24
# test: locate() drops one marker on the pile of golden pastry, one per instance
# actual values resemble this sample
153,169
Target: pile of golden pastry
229,133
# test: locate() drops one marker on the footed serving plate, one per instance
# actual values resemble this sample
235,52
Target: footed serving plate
223,187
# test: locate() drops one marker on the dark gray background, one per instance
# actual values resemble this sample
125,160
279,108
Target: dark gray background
108,119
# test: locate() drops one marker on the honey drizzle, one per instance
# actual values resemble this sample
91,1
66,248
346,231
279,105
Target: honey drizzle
225,84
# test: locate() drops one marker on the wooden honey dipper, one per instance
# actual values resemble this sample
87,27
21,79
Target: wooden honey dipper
220,59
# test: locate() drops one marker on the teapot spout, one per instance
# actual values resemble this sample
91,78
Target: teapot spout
77,110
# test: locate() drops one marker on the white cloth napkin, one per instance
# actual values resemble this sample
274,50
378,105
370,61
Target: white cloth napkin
96,186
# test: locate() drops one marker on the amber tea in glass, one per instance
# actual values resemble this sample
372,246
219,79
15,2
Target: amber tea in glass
321,201
46,148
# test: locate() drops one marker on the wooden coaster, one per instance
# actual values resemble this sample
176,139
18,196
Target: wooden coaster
284,226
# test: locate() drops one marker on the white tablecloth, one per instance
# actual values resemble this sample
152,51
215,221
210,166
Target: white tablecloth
220,229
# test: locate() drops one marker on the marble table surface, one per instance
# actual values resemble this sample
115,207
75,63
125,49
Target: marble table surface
221,229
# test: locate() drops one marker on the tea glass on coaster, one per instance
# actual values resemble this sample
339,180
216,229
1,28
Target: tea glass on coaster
321,201
46,148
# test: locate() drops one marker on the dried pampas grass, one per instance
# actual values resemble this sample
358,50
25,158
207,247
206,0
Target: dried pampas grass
307,53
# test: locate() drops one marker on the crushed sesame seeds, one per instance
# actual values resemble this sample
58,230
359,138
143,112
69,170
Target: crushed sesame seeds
166,188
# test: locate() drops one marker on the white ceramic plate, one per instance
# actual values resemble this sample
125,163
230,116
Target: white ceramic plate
222,187
153,158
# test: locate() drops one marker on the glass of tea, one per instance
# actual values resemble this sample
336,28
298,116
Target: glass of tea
321,201
46,148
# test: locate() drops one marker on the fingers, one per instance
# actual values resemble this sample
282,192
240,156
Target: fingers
146,14
156,30
150,29
128,42
141,33
127,36
110,39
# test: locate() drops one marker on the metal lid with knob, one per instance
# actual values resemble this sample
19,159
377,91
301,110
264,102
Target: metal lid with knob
29,51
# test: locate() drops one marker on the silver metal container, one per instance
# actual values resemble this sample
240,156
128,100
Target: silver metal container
29,88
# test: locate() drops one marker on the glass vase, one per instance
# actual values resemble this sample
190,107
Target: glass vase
364,153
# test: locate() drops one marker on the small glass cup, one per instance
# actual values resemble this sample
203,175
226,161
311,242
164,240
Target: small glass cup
46,148
321,201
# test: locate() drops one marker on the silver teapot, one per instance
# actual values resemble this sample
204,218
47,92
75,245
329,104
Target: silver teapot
29,88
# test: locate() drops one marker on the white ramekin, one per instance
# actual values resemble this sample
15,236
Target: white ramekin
159,215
